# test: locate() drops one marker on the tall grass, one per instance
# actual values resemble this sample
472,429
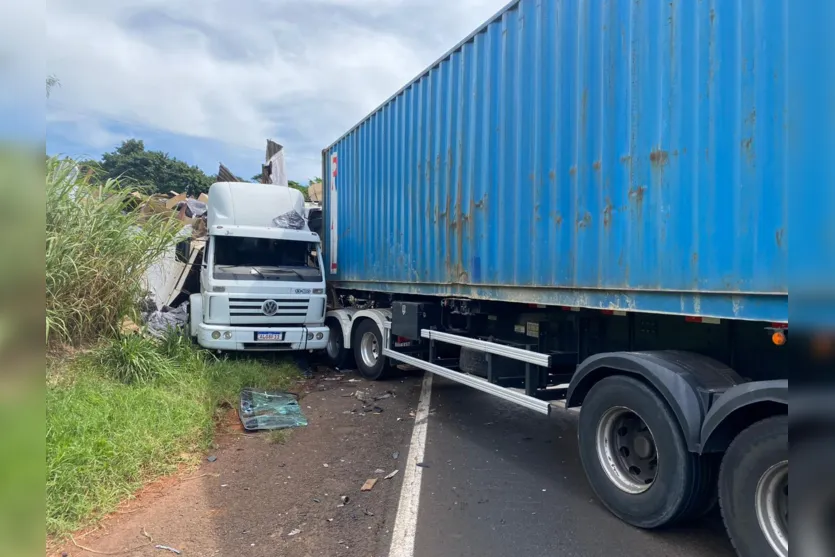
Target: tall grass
107,436
96,253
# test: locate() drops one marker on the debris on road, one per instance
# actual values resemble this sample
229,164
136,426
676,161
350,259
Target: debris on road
390,475
369,484
423,465
264,410
362,396
294,532
168,548
345,499
211,458
366,512
395,455
379,471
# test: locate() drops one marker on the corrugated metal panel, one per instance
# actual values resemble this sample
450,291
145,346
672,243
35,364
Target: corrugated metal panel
625,154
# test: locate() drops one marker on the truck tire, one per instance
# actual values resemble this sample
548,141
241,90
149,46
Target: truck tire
635,456
336,355
754,489
368,351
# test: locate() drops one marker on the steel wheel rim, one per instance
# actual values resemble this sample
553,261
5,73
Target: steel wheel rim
772,504
369,349
626,449
332,348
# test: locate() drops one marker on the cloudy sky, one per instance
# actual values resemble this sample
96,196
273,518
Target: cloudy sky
210,80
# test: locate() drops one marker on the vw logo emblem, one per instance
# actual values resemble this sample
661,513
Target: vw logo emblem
270,307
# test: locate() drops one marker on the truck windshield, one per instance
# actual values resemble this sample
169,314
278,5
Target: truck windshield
239,258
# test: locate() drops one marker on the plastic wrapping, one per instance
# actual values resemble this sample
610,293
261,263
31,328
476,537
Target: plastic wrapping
161,323
270,410
291,219
194,208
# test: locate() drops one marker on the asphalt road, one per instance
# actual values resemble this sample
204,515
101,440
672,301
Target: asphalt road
502,480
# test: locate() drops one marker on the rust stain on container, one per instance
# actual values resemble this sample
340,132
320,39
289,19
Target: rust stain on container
626,159
596,165
480,203
572,171
552,175
607,213
637,194
779,236
585,221
694,259
748,149
659,157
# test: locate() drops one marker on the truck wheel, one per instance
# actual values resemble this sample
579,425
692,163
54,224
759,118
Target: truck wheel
336,354
368,350
754,489
635,457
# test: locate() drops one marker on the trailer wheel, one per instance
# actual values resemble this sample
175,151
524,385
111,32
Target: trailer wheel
635,457
368,350
754,489
335,352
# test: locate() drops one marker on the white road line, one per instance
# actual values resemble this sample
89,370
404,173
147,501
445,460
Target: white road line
405,524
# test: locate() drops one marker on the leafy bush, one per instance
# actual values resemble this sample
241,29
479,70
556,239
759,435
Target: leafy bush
105,438
96,253
135,359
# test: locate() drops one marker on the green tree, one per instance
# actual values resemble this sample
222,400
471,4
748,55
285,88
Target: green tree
155,170
301,188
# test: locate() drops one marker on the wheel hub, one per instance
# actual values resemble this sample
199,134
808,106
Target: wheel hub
772,504
627,450
369,349
332,347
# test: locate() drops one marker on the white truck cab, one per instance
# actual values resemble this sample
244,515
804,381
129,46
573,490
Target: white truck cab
262,284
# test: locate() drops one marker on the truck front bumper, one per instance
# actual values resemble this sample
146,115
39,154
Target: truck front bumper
231,337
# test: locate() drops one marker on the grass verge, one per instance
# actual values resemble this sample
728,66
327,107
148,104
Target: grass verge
110,432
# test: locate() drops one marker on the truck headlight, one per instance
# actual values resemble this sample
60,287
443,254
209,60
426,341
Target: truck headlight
320,336
215,335
309,336
227,335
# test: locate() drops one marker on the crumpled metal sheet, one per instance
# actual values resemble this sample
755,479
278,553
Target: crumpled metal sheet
291,220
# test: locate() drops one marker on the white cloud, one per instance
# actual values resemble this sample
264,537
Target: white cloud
301,72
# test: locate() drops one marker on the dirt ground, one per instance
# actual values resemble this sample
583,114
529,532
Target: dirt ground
261,498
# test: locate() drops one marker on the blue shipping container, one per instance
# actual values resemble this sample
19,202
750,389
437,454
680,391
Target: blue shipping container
614,154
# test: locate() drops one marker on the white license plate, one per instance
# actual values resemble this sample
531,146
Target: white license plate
269,336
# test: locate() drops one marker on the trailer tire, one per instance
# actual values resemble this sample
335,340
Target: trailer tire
336,355
650,479
368,350
753,489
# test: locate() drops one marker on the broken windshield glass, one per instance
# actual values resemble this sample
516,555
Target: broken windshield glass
241,258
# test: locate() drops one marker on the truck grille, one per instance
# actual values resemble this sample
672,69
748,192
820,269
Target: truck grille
250,311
